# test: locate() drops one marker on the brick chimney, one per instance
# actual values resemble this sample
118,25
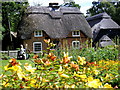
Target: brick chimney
54,6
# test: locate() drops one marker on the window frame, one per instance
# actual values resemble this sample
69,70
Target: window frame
75,42
34,46
74,34
38,32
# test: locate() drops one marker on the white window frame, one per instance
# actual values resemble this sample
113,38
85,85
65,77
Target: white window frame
34,47
39,33
76,42
76,35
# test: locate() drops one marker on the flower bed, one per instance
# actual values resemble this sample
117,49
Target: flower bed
62,73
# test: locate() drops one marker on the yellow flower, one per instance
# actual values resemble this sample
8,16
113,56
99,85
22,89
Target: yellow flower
90,79
107,76
29,68
5,84
26,87
61,72
64,75
69,86
20,75
16,68
96,72
95,83
7,67
33,81
1,76
45,80
107,86
65,54
47,41
60,69
81,60
83,76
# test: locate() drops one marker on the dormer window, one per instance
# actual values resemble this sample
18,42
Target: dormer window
76,33
38,33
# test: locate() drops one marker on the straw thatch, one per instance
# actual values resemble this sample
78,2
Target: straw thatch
57,24
102,24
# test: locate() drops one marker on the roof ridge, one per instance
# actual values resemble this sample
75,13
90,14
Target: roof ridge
100,15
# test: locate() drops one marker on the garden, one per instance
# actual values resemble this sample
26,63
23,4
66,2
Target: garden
64,68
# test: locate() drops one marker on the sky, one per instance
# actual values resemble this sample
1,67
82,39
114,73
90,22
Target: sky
85,4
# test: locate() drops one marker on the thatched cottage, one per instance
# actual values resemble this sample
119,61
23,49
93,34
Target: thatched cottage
65,26
102,24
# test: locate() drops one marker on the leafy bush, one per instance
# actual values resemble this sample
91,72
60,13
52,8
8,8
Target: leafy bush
64,71
4,56
53,72
92,54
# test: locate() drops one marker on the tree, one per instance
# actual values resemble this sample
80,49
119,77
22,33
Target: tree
71,4
12,13
37,4
112,9
1,27
117,14
67,1
102,7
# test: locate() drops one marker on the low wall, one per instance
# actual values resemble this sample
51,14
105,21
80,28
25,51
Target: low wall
11,53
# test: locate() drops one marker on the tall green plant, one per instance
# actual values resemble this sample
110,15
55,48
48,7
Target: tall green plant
12,13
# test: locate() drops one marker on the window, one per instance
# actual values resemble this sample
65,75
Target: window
38,33
76,33
37,46
76,44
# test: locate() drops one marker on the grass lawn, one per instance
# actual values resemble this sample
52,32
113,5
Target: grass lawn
5,62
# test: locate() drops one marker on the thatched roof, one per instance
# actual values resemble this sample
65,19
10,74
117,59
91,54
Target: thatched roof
105,38
101,21
57,24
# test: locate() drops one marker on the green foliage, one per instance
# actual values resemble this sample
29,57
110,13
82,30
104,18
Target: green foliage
72,4
102,7
117,14
5,62
70,70
4,56
61,73
92,54
112,9
12,13
1,27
